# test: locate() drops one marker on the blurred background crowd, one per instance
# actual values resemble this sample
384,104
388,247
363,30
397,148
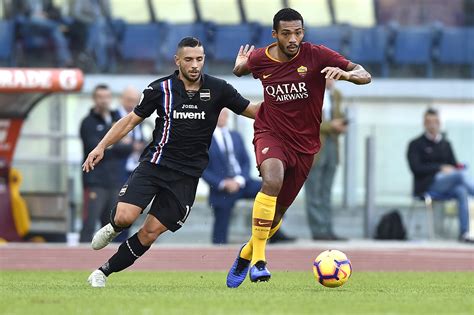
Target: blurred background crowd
412,38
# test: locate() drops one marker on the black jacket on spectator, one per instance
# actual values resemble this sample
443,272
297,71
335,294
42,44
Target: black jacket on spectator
109,172
425,158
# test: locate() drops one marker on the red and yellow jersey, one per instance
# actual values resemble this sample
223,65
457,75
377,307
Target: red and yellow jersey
293,93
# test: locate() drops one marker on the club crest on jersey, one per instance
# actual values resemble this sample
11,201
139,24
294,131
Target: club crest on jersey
205,95
302,70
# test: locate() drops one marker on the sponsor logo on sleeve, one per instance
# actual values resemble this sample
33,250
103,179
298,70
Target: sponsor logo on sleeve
123,190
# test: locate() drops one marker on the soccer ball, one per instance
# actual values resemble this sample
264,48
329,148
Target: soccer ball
332,268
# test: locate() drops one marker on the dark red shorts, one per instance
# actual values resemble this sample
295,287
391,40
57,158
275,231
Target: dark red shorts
297,165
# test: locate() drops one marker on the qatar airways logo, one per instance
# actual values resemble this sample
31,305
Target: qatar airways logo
287,91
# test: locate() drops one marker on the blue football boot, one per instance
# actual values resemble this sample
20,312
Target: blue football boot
238,271
259,272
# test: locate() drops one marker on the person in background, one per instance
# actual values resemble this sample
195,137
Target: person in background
318,186
94,32
128,100
228,176
437,172
102,186
39,18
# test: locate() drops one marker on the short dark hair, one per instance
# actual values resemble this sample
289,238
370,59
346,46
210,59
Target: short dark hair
286,14
189,42
431,111
100,86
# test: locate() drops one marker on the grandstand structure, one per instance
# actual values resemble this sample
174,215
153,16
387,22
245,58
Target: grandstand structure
417,38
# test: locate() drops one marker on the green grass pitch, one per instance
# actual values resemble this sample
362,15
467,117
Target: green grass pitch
133,292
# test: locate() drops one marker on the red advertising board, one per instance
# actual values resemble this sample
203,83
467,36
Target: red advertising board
15,80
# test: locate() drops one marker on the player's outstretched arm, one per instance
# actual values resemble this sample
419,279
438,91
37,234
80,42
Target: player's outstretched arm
354,73
241,67
117,132
251,110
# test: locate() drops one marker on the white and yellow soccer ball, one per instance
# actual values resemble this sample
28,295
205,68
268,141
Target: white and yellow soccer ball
332,268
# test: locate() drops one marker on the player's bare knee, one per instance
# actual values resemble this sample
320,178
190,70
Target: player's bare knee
272,186
122,218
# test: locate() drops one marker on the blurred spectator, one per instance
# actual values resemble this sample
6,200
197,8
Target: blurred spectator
228,176
421,12
91,21
128,100
318,186
101,187
40,19
437,172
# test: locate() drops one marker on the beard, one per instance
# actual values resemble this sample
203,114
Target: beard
187,77
286,52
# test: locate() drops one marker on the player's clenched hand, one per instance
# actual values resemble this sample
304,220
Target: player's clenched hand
335,73
243,55
93,159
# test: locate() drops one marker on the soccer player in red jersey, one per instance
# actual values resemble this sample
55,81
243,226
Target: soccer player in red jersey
293,75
